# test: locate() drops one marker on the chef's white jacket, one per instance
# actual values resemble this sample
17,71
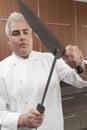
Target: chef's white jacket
22,83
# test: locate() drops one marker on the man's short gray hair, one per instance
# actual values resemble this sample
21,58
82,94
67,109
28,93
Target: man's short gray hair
14,17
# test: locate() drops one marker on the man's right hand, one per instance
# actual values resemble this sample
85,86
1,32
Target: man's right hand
32,119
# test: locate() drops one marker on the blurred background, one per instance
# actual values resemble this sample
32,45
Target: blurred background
67,19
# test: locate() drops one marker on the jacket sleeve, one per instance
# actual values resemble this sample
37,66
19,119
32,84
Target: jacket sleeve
69,75
8,119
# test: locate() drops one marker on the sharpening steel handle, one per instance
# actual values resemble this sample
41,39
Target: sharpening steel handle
40,108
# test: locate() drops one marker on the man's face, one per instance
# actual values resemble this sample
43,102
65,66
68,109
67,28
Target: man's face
20,38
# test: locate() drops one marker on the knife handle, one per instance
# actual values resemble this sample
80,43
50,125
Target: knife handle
79,70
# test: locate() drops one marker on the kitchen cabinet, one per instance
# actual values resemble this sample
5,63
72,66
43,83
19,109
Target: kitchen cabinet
81,9
72,121
83,110
83,119
70,103
74,102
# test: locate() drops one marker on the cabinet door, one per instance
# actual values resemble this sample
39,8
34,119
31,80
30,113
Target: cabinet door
81,9
83,110
71,121
83,119
83,100
59,16
70,103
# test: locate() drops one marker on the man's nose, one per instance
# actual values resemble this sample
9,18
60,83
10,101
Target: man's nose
21,36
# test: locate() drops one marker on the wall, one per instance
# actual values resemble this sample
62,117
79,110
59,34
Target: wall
66,19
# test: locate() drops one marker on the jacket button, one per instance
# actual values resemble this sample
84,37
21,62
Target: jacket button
14,64
26,103
21,81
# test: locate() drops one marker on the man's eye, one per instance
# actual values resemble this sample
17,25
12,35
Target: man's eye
26,32
16,33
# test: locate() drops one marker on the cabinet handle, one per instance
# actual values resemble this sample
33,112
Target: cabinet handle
85,111
85,94
68,98
67,117
59,24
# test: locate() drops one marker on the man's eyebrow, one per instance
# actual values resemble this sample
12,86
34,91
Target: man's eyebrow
15,31
26,29
20,30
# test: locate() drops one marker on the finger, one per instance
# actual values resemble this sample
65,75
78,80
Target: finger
38,116
37,123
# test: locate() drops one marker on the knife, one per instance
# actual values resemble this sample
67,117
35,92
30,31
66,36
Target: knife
46,37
